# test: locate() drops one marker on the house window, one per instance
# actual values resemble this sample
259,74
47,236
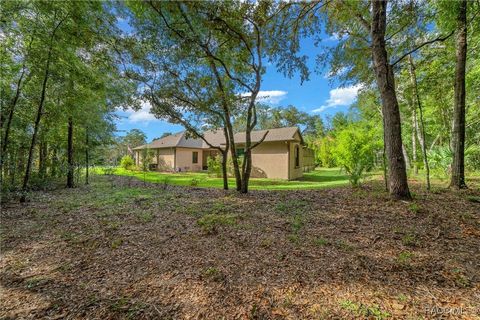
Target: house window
297,156
194,157
240,152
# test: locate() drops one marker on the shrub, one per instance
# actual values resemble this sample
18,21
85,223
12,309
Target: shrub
355,151
440,159
127,162
215,166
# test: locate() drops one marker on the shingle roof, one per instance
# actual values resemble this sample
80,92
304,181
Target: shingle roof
165,142
217,138
277,134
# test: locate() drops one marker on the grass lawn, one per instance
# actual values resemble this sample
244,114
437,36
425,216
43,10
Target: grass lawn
316,179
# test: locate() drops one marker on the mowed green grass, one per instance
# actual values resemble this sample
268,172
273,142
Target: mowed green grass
316,179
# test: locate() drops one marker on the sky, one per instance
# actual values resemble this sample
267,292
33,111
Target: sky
319,95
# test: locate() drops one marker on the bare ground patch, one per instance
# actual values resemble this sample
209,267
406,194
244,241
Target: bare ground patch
119,249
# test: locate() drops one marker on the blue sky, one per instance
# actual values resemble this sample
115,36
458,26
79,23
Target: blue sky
319,95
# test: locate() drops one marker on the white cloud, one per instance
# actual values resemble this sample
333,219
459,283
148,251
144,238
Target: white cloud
333,37
141,115
340,97
271,96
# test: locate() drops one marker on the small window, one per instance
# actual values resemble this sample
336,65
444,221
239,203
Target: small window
297,156
194,157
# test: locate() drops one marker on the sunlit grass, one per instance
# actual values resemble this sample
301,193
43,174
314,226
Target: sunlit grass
316,179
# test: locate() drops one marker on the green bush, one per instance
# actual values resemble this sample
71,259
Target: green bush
440,159
127,162
354,151
215,166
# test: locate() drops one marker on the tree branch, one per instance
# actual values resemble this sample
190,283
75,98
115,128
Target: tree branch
438,39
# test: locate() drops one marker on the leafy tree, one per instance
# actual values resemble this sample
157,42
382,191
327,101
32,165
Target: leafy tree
62,68
354,150
188,48
133,138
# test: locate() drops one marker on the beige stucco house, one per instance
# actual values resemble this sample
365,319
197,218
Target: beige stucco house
282,155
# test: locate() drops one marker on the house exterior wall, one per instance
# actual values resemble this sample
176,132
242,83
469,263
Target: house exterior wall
294,171
270,160
184,159
165,159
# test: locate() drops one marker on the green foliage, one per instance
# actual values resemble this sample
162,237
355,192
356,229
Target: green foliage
215,166
146,158
127,162
194,182
319,241
440,159
355,151
210,222
410,240
405,257
324,154
364,311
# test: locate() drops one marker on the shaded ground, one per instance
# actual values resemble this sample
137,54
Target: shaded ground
317,179
120,250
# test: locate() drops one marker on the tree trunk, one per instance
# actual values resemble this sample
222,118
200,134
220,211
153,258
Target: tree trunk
11,112
39,112
224,160
54,164
37,124
87,156
458,135
420,129
385,81
414,139
405,156
233,152
42,159
14,103
246,169
70,165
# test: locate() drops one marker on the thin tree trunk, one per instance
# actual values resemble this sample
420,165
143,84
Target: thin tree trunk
54,164
87,156
405,155
384,153
386,84
11,112
233,152
414,139
70,165
37,123
42,159
225,159
420,129
458,135
14,102
39,111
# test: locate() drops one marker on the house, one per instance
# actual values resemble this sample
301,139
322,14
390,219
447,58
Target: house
282,154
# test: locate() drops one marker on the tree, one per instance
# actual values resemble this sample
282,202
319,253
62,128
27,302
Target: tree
205,45
82,93
134,138
458,135
354,151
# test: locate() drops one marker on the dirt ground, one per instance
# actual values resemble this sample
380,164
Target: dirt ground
120,250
